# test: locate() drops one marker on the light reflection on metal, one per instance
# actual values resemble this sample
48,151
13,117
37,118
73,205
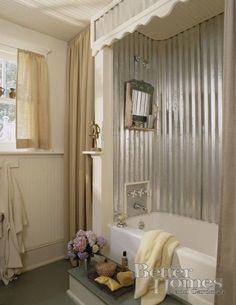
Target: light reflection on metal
183,160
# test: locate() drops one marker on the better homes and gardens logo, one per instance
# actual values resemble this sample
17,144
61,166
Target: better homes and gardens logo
179,281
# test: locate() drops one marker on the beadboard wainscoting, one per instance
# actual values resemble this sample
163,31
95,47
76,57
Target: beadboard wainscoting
40,177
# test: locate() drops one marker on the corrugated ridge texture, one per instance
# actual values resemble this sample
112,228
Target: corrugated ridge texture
183,159
133,150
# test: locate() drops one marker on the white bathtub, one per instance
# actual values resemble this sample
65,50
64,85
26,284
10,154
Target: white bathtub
197,251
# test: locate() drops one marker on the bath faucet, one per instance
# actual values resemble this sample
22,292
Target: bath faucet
138,206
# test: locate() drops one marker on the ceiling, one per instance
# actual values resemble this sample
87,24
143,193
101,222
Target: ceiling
62,19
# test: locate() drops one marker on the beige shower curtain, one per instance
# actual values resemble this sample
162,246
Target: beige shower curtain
79,114
226,267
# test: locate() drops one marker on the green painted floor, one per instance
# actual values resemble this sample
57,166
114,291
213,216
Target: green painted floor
44,286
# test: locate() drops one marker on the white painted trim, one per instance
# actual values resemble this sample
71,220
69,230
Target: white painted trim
160,9
74,298
92,32
92,153
103,164
35,266
43,255
44,245
81,295
97,196
30,153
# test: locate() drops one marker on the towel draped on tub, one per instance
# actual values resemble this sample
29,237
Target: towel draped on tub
156,252
12,225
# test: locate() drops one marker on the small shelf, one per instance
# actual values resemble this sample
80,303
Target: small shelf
92,153
141,128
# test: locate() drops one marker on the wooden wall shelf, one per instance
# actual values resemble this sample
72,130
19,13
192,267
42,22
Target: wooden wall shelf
141,128
92,153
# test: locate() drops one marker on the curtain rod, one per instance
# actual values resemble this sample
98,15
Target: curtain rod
45,53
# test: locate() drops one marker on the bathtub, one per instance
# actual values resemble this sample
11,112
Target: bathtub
197,250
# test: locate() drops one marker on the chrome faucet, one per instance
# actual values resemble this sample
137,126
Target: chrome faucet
138,206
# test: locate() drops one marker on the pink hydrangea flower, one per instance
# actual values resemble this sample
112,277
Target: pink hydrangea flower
92,238
80,243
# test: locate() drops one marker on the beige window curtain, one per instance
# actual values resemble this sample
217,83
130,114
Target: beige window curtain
79,114
32,101
226,265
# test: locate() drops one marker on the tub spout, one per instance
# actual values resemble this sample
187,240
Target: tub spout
138,206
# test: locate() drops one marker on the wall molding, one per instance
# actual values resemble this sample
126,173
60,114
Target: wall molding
31,153
42,256
74,298
44,245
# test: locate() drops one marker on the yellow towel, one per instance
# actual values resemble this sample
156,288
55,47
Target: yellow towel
156,251
110,283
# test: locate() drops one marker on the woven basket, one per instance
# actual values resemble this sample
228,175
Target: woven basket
106,268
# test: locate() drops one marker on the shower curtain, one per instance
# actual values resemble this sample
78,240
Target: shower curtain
226,266
12,223
79,115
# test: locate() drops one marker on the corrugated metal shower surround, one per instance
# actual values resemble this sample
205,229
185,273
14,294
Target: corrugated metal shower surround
182,159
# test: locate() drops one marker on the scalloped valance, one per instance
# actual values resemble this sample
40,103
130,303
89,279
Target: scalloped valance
125,16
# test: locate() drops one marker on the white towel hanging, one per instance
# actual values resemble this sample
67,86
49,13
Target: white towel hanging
11,242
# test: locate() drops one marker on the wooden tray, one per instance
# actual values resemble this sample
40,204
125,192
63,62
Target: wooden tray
92,275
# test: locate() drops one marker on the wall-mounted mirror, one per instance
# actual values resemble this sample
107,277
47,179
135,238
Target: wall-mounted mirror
140,109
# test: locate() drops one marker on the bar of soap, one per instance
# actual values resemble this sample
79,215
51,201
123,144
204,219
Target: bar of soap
125,278
110,283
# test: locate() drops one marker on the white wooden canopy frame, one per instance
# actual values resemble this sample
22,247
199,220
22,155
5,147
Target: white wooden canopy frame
158,19
122,17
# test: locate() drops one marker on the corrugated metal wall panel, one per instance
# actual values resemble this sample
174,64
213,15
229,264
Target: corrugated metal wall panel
212,75
179,143
181,160
133,151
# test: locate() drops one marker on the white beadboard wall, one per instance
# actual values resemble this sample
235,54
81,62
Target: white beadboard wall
40,178
41,183
40,175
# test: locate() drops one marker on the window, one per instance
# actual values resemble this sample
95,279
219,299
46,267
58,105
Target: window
8,70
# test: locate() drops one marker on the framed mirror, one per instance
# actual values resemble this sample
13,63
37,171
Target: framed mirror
140,109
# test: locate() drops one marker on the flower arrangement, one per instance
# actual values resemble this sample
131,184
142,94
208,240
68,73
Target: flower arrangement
84,245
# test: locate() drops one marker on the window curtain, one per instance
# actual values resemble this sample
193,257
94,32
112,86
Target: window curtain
79,115
226,266
32,101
